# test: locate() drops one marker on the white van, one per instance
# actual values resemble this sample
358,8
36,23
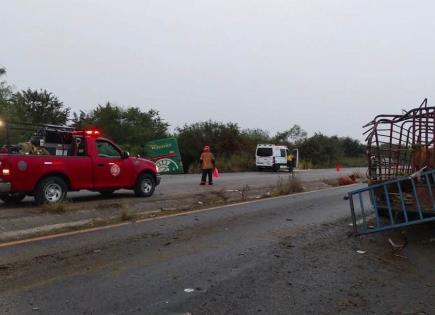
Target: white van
271,156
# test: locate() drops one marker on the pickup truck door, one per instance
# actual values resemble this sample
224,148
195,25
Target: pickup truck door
110,169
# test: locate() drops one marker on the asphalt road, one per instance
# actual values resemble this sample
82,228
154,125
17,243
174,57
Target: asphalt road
220,261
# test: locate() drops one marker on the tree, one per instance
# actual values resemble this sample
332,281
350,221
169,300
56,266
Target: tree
352,147
129,127
293,135
251,137
5,93
39,107
224,139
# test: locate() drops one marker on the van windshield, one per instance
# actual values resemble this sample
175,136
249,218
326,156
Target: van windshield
264,151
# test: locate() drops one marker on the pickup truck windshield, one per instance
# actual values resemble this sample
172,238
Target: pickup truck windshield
106,149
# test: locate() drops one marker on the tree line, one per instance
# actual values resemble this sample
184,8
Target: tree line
132,127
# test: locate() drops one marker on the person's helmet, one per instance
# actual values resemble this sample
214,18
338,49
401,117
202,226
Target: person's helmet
35,140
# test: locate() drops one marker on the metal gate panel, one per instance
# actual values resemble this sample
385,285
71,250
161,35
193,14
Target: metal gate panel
394,203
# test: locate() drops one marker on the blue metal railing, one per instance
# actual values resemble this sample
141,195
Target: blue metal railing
393,204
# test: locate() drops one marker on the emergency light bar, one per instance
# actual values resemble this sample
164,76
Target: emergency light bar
92,132
88,132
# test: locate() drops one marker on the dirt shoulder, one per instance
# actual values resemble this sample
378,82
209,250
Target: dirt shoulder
18,223
320,271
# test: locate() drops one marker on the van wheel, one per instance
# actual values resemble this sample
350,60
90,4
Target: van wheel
12,198
145,186
51,189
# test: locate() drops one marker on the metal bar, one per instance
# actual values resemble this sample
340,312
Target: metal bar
387,199
399,225
362,211
417,200
375,207
405,214
429,187
352,211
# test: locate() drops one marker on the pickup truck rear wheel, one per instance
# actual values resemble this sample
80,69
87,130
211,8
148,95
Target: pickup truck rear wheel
145,185
51,189
12,198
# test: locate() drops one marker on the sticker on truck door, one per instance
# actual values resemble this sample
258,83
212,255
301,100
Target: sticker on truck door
115,170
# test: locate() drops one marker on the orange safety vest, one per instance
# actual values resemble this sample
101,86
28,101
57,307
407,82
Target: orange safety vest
207,160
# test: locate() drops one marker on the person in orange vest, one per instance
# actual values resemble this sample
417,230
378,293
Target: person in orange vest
207,164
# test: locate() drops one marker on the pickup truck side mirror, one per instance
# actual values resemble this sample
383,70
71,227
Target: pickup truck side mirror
125,154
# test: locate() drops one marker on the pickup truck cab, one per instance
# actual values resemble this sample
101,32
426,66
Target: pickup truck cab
85,160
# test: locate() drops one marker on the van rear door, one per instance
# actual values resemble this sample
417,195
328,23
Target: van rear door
264,156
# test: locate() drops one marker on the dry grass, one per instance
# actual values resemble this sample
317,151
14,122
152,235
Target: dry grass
221,194
125,213
244,192
289,186
305,165
331,181
361,176
60,207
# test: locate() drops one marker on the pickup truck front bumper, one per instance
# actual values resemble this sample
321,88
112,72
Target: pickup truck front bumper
158,179
5,187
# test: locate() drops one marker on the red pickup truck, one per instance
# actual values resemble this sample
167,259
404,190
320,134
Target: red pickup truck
84,160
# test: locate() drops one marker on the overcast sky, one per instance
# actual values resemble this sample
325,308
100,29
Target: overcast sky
327,65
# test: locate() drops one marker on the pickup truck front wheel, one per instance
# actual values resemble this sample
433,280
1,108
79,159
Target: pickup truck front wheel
51,189
12,198
145,185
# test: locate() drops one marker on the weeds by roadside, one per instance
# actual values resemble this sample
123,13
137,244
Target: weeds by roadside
289,186
221,194
305,165
360,176
60,207
125,213
331,181
244,192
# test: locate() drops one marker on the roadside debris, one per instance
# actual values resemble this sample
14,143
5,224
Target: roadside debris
345,180
397,247
362,252
189,290
431,240
169,209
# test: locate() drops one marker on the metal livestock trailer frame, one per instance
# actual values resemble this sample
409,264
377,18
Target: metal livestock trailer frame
401,172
